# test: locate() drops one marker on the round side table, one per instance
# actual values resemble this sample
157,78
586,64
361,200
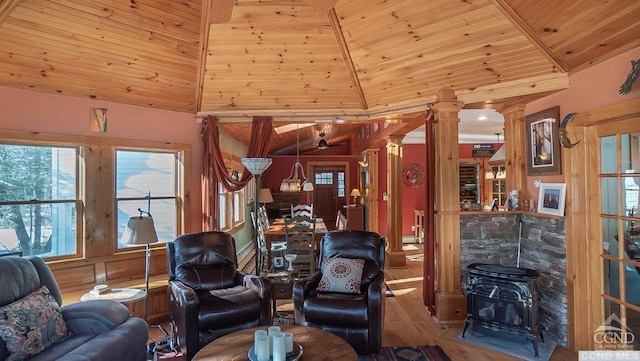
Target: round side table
122,295
126,296
316,345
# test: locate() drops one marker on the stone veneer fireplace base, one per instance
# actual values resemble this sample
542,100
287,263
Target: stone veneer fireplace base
492,237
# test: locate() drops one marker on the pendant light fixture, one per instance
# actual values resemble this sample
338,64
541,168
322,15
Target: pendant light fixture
498,170
293,183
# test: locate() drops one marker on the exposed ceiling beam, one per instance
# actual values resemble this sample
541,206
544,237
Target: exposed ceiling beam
378,140
207,8
6,6
515,88
346,55
505,90
525,30
321,5
220,10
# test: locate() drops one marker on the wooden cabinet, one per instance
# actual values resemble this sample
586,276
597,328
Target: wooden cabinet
355,218
469,186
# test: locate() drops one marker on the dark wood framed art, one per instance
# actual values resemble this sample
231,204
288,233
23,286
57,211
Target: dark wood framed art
543,148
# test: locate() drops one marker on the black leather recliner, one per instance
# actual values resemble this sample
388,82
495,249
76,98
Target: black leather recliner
99,330
208,296
357,318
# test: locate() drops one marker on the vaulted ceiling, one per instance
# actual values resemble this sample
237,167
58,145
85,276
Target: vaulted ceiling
361,61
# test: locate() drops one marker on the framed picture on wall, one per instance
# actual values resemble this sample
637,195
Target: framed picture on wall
543,148
551,198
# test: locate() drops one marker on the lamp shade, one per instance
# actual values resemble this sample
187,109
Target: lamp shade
489,175
256,165
140,230
307,186
265,196
355,193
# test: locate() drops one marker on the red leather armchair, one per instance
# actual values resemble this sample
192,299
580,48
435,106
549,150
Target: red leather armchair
357,318
208,296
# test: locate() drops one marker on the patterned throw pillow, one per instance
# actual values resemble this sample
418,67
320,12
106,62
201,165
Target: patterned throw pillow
341,275
31,324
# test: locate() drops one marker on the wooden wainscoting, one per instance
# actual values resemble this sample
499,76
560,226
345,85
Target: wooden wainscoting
124,270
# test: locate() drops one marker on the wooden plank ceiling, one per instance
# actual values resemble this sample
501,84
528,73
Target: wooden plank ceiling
361,61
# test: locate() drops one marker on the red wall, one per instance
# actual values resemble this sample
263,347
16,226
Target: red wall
281,168
412,198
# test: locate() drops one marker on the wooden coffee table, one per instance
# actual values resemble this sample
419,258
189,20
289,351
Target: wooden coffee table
316,345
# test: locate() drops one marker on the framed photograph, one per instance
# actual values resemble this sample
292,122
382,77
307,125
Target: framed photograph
494,205
376,128
367,131
551,198
543,150
278,263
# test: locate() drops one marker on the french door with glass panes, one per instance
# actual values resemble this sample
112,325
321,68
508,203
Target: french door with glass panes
619,213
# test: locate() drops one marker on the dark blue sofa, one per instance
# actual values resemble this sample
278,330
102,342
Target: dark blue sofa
99,330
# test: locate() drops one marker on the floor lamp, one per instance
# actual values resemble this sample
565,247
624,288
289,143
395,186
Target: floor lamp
140,230
256,166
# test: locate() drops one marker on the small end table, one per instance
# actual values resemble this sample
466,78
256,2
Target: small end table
126,296
282,287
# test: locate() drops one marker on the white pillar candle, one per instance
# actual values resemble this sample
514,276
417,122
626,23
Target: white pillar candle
256,335
270,331
279,347
262,351
288,338
273,329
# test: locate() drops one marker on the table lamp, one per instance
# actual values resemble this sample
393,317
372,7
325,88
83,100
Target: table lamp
265,196
355,193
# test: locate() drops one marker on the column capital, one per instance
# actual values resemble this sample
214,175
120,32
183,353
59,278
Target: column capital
447,102
394,139
513,113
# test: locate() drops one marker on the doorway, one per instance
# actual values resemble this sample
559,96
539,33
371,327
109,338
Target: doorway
329,192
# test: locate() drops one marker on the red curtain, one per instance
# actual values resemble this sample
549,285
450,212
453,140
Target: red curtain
214,171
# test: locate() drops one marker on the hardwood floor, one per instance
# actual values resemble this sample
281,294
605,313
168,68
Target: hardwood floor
408,323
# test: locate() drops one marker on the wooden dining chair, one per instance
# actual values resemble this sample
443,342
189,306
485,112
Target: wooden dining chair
277,248
302,210
300,236
264,218
341,221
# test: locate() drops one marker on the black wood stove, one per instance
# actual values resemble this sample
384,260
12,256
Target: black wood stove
503,299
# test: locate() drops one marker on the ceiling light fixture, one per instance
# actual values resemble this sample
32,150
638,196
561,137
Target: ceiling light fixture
497,162
322,144
293,183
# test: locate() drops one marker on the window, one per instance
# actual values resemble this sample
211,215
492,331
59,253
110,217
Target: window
224,204
39,200
147,181
238,209
324,178
231,206
341,185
